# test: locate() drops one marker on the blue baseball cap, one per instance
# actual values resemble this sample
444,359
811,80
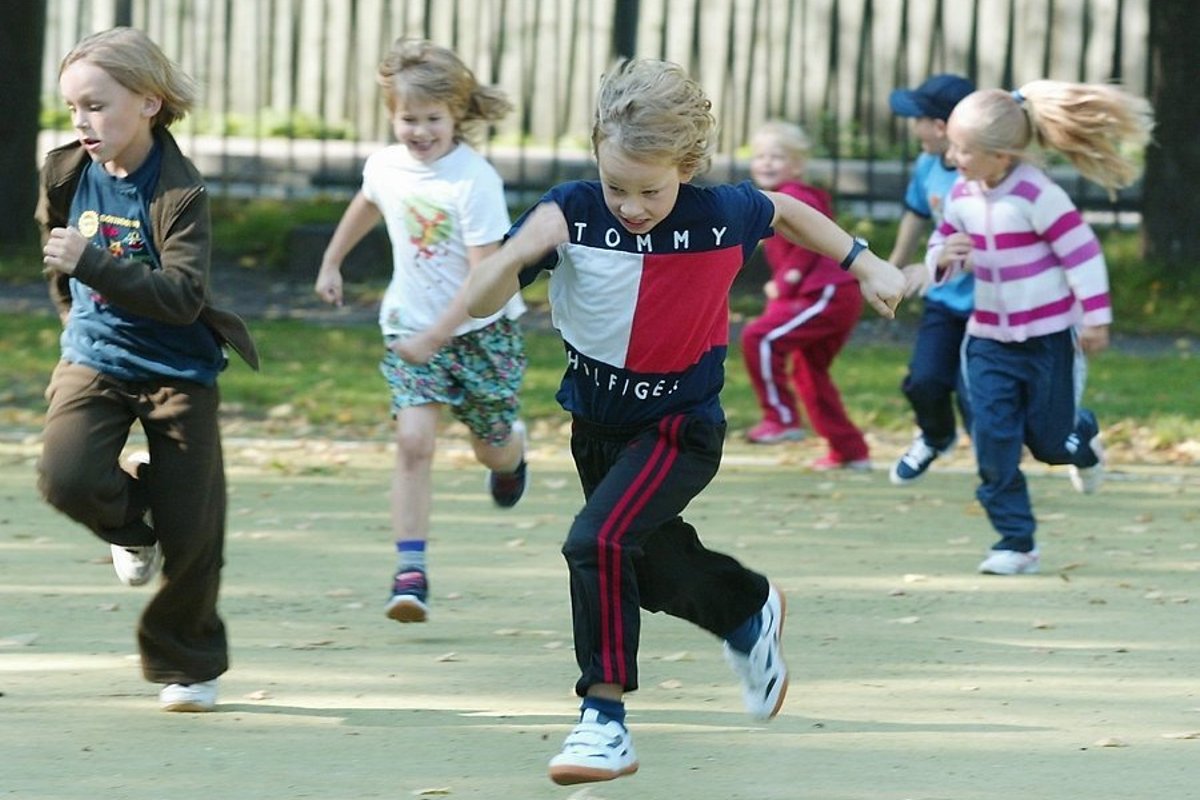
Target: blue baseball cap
934,98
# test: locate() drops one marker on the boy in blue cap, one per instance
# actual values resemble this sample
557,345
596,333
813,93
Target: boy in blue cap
934,379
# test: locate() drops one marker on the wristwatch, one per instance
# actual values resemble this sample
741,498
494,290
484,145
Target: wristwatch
859,245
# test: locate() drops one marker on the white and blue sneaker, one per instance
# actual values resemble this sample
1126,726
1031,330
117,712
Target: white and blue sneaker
594,751
1087,480
136,565
763,672
916,460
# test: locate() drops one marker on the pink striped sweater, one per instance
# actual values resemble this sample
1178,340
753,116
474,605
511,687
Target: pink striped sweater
1038,266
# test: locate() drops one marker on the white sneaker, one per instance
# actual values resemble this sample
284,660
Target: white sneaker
763,672
189,697
1010,562
136,566
594,751
1087,480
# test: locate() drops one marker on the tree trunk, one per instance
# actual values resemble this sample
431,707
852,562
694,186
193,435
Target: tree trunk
1171,204
21,38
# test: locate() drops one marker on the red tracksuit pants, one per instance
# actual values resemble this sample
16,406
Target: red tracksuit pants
808,331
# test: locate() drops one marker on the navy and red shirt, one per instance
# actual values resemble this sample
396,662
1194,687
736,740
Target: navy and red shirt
645,317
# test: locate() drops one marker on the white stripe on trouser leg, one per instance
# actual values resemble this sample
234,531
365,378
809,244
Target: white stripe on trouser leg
1079,370
764,350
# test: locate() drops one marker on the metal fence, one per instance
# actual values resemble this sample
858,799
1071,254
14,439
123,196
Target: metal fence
291,106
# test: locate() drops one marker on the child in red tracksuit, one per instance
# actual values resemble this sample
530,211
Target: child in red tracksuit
812,307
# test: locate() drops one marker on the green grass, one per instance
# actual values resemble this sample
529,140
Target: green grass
325,379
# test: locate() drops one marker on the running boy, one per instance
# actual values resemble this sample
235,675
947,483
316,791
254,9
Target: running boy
641,265
445,211
934,383
125,222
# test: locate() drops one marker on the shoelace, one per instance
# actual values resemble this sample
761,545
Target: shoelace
411,582
918,453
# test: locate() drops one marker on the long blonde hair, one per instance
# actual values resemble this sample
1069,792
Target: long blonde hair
416,69
137,63
1094,125
654,111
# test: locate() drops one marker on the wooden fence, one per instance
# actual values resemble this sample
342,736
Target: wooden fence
279,72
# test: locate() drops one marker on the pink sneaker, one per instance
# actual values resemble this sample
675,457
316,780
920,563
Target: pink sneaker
770,432
829,462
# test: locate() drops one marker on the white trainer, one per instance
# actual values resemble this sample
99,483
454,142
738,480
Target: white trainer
136,566
1010,562
1087,480
763,672
594,751
189,697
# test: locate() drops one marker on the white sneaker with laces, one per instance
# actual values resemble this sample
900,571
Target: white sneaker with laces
594,751
1010,562
189,697
763,672
1087,480
136,566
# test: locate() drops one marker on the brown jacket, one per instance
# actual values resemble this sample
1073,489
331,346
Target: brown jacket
178,292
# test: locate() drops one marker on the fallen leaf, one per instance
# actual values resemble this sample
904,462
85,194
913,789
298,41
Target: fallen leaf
1182,735
1110,741
671,683
447,657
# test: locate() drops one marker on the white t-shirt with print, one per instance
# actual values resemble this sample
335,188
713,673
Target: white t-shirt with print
434,212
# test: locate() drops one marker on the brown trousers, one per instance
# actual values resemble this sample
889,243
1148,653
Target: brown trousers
180,636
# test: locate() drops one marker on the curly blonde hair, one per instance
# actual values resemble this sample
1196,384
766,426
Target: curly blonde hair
653,111
137,63
416,69
1093,125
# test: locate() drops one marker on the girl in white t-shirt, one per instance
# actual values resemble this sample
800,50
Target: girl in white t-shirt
445,210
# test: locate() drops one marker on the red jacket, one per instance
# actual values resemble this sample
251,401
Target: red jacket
783,257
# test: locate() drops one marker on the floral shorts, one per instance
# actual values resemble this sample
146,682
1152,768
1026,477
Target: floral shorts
478,375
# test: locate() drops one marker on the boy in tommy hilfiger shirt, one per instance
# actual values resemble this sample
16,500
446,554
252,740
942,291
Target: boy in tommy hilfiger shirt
641,265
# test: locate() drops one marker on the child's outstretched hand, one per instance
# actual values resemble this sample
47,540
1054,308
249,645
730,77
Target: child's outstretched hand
881,283
916,279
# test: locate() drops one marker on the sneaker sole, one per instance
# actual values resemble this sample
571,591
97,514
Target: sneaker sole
570,774
782,619
187,706
407,609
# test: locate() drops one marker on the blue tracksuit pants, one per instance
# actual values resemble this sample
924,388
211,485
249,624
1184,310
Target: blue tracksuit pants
1024,394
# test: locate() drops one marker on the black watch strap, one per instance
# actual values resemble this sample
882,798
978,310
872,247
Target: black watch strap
859,245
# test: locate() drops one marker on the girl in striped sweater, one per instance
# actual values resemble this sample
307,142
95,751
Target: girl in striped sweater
1041,290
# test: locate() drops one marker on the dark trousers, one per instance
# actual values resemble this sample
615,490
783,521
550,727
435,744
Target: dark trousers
1024,394
629,549
180,635
935,378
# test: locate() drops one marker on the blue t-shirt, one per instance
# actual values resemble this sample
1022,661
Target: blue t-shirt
114,213
645,317
927,189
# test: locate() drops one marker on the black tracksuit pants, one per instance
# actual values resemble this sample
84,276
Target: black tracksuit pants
629,549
